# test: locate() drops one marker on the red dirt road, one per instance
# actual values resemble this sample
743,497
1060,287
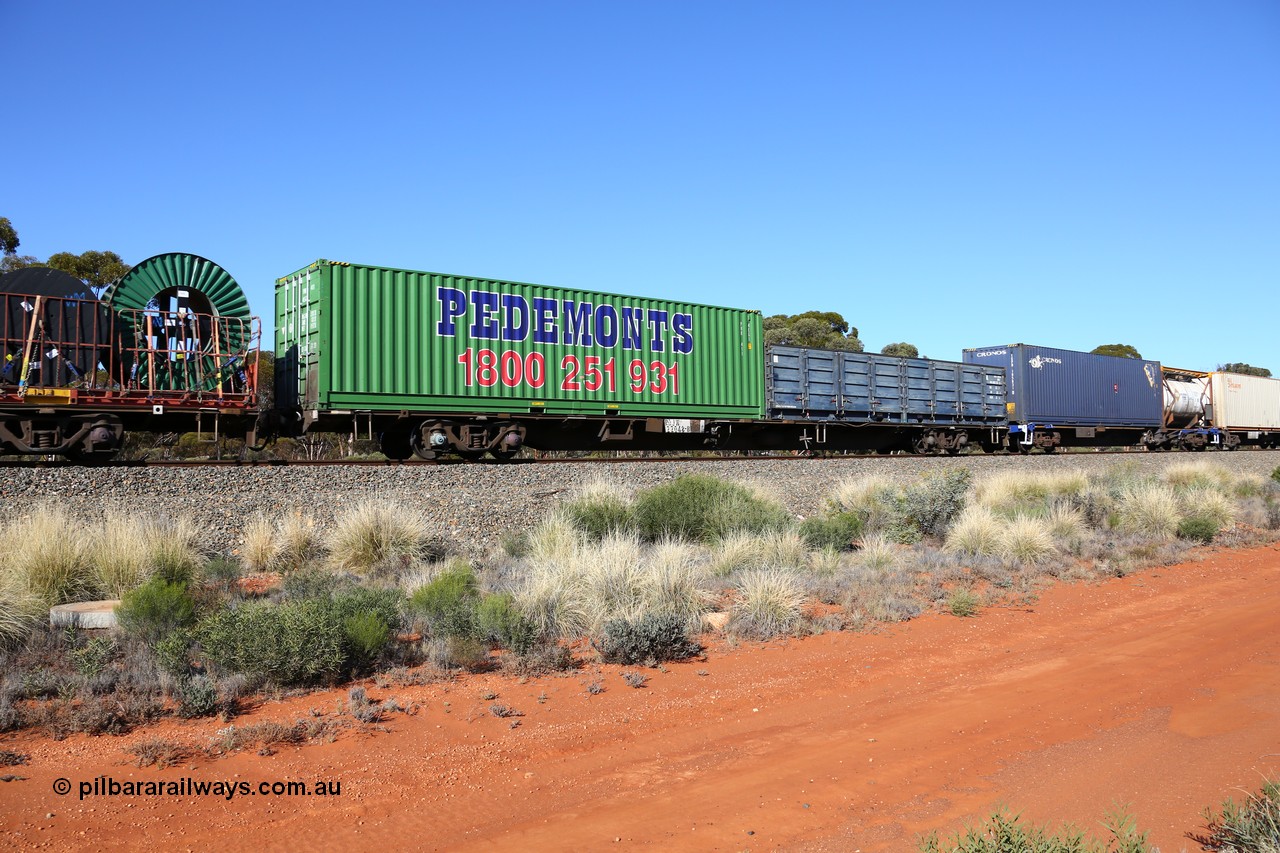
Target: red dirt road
1161,690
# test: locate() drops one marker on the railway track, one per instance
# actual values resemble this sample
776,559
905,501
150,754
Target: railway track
603,460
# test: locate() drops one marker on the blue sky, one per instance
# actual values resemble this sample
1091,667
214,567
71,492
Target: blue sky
950,174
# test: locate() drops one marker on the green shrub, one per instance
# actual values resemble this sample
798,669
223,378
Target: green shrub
173,653
93,657
837,531
499,621
651,638
197,697
962,603
1005,833
367,635
297,642
156,609
1251,827
1275,475
220,571
701,508
928,504
315,583
448,603
599,513
1198,528
301,641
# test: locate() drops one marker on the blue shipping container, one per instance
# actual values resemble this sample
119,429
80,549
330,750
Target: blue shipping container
1060,387
863,387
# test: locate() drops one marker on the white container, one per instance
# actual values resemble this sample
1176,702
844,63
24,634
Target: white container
1245,402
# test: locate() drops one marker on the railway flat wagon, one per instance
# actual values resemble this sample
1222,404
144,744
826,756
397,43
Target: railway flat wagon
432,362
1058,396
913,404
170,347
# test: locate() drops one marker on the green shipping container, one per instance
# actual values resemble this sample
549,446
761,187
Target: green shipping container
364,338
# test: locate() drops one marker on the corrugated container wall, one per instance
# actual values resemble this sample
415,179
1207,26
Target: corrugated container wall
1065,388
1245,402
864,387
371,338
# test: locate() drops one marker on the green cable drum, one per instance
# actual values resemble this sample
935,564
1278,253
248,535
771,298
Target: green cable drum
174,271
152,297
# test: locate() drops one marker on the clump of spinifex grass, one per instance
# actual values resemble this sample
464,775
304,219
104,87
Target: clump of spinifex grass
377,537
258,552
1025,540
47,557
1150,511
769,604
975,533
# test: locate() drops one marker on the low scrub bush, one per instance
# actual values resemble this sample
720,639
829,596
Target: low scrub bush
301,641
696,507
652,638
158,751
540,659
499,622
1006,833
927,505
155,610
197,697
837,531
447,604
1249,827
1198,528
361,707
367,634
962,603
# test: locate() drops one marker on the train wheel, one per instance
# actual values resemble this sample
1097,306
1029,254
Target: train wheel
394,444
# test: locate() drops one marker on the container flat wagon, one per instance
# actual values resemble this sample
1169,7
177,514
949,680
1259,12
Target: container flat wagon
864,401
432,362
1061,397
